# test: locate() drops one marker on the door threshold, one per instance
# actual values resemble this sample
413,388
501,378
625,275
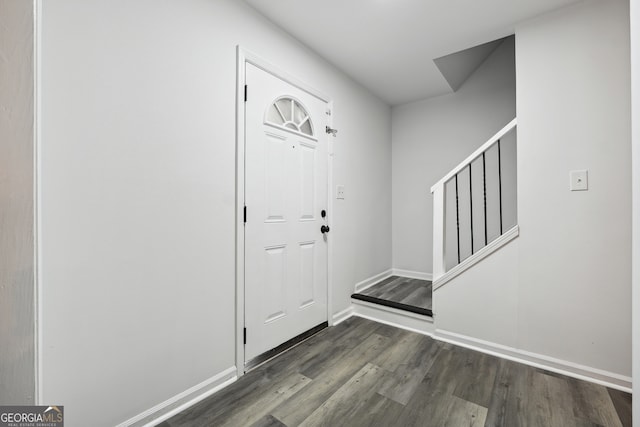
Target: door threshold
270,354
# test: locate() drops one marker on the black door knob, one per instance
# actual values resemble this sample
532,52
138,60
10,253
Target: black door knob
324,229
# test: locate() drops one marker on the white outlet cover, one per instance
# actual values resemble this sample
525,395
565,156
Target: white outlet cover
579,180
340,192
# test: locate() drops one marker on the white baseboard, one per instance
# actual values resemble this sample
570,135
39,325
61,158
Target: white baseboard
342,316
412,274
570,369
392,316
367,283
180,402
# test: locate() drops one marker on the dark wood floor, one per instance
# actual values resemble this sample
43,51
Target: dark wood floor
361,373
411,292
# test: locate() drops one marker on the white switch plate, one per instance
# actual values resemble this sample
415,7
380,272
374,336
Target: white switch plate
340,192
579,180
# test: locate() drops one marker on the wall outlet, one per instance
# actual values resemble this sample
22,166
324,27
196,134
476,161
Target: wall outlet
579,180
340,192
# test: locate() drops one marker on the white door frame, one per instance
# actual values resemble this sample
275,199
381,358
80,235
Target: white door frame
244,57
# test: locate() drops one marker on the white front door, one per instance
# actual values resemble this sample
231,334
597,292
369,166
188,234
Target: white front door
285,193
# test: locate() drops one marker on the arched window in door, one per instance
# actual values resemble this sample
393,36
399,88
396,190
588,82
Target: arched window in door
288,113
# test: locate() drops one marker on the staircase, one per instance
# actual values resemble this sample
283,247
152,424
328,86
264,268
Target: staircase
474,215
399,301
475,207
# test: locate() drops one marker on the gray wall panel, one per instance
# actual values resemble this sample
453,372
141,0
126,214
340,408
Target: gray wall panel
17,353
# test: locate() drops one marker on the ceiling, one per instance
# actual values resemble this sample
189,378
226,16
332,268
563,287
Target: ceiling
389,45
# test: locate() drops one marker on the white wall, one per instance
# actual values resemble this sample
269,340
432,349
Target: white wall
431,137
480,303
635,118
17,322
573,113
572,259
138,194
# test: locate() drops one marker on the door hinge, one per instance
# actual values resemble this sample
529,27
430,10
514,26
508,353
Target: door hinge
245,214
245,335
245,93
331,131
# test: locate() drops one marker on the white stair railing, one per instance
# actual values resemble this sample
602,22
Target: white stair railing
466,229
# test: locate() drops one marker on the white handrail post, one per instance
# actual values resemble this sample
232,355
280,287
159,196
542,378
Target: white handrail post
438,231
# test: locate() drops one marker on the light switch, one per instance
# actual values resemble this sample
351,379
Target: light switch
579,180
340,192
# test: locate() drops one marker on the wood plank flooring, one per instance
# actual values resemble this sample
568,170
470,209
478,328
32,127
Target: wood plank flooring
362,373
412,292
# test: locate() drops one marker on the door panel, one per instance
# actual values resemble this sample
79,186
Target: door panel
285,190
307,278
274,177
307,182
274,282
